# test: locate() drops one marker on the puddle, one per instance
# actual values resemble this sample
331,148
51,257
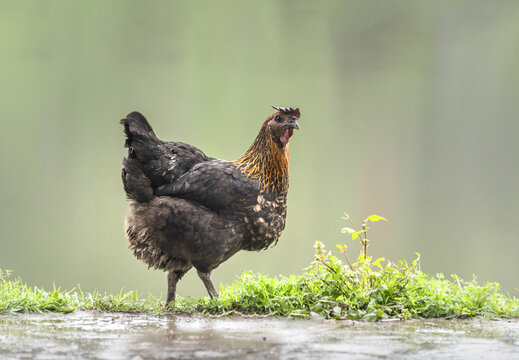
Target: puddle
96,335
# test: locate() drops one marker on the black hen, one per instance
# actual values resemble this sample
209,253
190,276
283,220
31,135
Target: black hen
189,210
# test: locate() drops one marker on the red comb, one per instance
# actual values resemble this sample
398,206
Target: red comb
288,110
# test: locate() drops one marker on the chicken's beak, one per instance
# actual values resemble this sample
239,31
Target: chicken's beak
292,125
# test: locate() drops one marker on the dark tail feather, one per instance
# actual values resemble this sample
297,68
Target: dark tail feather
139,135
138,118
136,184
141,142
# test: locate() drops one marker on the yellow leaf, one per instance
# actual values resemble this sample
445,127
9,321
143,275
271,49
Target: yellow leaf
356,234
378,261
375,218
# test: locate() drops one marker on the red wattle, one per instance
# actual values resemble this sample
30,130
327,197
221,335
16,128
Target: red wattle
286,135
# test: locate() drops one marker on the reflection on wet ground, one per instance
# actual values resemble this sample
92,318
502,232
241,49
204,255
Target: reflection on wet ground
96,335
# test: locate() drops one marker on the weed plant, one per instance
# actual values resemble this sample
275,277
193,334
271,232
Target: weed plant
368,289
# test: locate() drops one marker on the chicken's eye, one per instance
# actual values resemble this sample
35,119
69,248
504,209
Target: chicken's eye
278,118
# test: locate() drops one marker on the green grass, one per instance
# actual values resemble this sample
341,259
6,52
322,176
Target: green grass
17,297
367,289
329,289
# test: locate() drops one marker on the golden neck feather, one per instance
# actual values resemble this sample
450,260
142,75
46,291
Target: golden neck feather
266,161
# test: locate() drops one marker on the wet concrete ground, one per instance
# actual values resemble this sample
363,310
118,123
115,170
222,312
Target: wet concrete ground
96,335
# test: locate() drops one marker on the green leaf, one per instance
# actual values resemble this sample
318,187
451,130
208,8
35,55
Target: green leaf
371,316
375,218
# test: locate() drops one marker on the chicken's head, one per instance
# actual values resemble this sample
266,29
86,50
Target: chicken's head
282,123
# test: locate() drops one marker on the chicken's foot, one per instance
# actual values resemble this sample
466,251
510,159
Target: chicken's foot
206,278
173,278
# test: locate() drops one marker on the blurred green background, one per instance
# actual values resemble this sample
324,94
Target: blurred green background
409,110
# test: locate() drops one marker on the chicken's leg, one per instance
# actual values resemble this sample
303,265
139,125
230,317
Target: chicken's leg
206,278
173,278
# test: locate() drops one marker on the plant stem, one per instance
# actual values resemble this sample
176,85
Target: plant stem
352,224
365,241
348,260
362,241
328,266
334,284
